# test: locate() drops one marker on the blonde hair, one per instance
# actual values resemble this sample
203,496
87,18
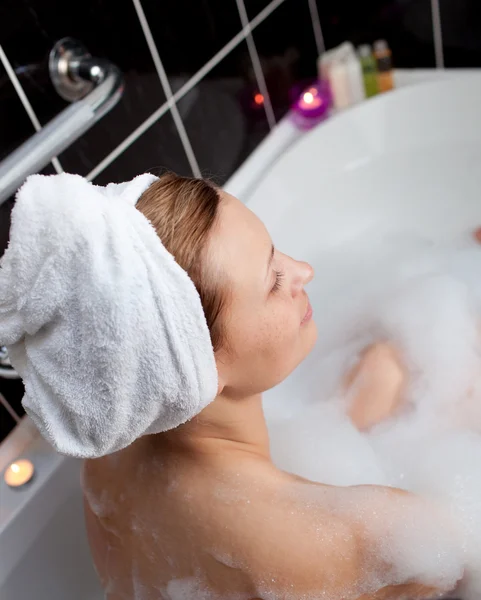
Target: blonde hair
183,211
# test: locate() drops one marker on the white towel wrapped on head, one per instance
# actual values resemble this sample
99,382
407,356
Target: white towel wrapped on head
106,330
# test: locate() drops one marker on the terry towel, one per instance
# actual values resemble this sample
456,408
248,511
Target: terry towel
106,330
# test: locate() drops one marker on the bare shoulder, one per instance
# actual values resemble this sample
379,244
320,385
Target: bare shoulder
286,535
278,531
298,544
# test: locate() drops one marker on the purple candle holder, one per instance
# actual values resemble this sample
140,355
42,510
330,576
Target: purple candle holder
312,105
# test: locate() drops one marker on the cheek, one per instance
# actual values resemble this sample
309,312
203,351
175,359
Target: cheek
269,345
279,334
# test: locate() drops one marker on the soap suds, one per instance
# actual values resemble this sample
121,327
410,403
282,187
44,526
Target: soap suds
195,588
425,299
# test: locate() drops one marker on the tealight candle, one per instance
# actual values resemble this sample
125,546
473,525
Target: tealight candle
19,473
310,100
312,106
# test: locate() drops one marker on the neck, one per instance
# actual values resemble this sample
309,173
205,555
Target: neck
230,425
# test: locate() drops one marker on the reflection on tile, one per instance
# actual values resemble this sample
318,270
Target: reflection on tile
287,50
140,99
189,33
407,26
461,26
222,119
157,150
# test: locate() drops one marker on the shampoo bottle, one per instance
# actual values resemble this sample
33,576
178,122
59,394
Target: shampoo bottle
385,74
369,70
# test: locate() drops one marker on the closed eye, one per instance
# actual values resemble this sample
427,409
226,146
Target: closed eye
278,281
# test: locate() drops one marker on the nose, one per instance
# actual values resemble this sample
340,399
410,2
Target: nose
303,275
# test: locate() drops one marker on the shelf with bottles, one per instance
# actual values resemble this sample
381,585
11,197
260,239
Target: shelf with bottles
353,75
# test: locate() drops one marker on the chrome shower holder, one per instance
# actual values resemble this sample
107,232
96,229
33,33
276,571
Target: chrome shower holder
93,86
70,65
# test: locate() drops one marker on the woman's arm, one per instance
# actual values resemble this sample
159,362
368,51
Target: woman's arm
375,385
365,542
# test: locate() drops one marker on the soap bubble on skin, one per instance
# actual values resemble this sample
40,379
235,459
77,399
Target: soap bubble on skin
424,298
194,588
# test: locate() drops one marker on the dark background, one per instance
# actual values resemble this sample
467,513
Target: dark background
222,126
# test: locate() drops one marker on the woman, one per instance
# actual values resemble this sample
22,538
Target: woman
201,511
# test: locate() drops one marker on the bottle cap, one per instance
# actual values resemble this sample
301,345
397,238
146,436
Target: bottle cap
364,51
381,46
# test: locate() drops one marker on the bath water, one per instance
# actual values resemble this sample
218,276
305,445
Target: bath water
424,298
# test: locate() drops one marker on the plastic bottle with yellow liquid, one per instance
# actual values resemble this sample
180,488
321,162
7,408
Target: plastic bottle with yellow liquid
385,75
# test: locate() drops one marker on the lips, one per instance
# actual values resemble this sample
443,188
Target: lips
308,314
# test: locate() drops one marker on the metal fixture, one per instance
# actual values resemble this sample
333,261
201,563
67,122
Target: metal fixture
93,85
6,369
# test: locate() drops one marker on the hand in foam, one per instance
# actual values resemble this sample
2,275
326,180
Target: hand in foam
375,385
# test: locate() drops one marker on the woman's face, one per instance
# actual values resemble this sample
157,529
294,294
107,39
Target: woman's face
268,319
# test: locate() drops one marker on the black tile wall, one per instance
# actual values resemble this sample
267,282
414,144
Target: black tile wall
142,96
405,24
254,7
286,46
187,33
7,422
17,127
12,389
461,27
108,29
158,149
5,210
222,120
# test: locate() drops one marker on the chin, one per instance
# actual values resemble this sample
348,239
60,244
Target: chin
310,334
306,345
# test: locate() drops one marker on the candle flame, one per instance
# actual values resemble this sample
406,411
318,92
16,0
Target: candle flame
308,98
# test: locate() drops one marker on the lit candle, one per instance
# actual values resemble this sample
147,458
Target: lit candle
19,473
312,106
310,100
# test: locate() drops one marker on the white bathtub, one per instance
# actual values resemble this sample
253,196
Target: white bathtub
43,545
410,158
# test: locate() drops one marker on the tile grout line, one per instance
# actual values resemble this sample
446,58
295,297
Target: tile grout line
316,26
166,87
256,63
437,34
25,101
193,81
9,409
